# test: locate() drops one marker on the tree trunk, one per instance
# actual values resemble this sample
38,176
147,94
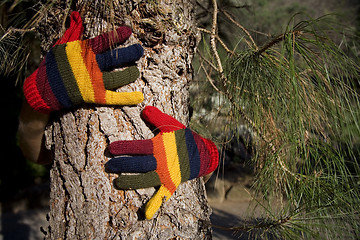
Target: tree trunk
84,203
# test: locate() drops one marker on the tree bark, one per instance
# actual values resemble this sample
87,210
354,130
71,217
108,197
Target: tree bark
84,203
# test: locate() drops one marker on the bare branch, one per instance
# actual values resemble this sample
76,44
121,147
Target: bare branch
217,38
212,39
240,26
211,81
207,61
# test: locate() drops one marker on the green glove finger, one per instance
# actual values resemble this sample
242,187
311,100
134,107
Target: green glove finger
138,181
118,79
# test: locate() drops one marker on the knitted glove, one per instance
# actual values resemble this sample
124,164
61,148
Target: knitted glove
74,71
175,155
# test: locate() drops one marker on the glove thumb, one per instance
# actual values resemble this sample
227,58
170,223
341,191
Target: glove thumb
160,120
155,202
75,30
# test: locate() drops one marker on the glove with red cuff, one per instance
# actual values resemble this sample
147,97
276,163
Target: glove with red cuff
175,155
74,71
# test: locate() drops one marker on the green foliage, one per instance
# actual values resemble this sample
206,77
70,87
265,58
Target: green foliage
299,93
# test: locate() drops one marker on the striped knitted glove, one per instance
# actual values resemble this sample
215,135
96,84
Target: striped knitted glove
74,71
175,155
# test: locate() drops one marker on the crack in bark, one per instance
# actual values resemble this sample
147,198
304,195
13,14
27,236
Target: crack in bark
88,134
67,196
148,85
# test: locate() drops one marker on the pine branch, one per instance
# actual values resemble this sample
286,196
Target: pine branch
225,82
276,41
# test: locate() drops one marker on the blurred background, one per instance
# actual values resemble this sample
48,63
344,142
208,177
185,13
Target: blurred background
24,186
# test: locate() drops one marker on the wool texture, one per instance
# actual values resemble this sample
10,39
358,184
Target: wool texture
175,155
74,71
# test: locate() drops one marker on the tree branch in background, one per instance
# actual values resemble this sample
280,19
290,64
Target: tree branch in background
213,42
217,38
241,27
298,93
219,69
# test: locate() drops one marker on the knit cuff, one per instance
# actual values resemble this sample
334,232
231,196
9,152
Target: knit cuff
214,155
33,96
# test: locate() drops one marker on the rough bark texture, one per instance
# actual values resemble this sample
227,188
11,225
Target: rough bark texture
84,204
